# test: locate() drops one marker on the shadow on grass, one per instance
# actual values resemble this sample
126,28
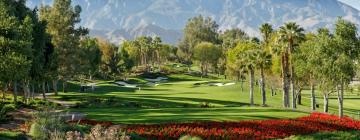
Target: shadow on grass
166,115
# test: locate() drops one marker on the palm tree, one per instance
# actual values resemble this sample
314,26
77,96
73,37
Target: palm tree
263,61
266,31
156,46
264,57
291,35
247,58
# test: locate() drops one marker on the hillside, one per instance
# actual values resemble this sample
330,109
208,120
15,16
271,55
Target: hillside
125,19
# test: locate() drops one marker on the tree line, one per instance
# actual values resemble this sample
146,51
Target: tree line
39,47
290,58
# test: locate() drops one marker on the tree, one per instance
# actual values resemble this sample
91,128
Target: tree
39,62
266,31
347,52
264,57
90,56
110,60
206,53
306,64
15,43
263,62
245,55
197,30
229,40
61,19
126,62
291,35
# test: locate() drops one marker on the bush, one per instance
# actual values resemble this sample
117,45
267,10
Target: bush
9,135
97,133
188,137
205,105
5,109
45,123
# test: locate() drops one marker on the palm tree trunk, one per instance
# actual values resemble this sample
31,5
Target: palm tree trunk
326,102
263,91
313,99
252,79
293,92
285,79
15,91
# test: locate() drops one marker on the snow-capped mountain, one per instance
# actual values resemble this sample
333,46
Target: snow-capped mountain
116,20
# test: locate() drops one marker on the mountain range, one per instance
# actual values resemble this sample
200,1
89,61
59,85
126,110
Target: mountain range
116,20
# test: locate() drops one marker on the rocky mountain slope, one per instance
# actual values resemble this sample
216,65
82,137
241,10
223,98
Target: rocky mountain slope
116,20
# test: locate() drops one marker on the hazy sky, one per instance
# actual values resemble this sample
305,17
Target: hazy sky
353,3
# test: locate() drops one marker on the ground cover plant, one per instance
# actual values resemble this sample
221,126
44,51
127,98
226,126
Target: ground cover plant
258,129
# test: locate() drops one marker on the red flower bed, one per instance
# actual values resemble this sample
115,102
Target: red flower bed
92,122
256,129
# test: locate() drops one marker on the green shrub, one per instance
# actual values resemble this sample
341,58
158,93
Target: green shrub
45,123
9,135
5,109
188,137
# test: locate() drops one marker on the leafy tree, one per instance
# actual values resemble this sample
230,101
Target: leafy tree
90,56
15,43
39,62
110,60
61,19
229,40
347,52
197,30
206,53
126,62
305,63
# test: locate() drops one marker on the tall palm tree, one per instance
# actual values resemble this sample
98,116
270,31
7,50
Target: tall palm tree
264,57
263,61
291,34
247,58
266,31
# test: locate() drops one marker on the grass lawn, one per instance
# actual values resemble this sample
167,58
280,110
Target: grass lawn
8,135
179,100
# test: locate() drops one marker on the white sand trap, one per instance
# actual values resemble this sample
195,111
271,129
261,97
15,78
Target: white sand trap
126,84
152,84
221,84
229,84
158,79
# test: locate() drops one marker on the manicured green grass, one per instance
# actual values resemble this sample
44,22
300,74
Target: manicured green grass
338,135
8,135
162,115
178,100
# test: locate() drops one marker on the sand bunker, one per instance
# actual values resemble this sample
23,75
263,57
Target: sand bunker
158,79
122,83
221,84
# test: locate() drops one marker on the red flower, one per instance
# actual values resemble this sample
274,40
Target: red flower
256,129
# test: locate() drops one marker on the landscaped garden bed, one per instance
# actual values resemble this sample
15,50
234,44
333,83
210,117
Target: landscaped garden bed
256,129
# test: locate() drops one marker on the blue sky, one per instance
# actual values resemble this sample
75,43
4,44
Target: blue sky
353,3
